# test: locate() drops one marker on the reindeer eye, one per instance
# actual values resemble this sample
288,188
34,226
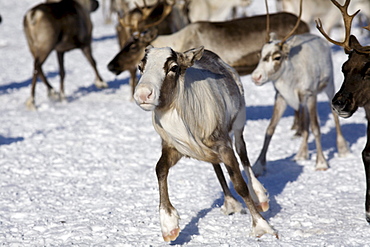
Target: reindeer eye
174,68
276,58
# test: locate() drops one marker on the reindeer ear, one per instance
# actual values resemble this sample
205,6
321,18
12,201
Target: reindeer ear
353,43
149,35
148,48
192,55
285,48
272,36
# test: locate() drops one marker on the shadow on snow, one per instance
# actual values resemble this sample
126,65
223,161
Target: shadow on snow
279,172
9,140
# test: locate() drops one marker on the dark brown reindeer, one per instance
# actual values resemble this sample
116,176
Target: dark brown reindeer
355,90
164,16
238,42
197,101
142,18
59,26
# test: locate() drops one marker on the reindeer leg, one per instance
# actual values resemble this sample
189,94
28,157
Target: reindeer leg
321,163
302,153
133,81
259,225
88,54
366,161
231,205
30,103
62,74
297,125
37,72
279,108
258,192
169,217
342,146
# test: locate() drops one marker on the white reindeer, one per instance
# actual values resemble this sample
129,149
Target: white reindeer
300,67
197,100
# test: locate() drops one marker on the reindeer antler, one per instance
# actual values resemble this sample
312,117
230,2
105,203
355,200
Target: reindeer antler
166,11
267,22
347,24
295,27
146,11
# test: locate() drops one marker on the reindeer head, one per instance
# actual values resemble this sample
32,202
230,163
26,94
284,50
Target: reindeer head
355,89
162,70
273,54
132,52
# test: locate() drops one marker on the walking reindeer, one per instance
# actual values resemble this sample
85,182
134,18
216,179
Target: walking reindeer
197,101
298,77
355,90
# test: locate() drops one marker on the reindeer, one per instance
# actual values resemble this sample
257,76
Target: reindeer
355,90
298,78
166,17
59,26
197,101
243,44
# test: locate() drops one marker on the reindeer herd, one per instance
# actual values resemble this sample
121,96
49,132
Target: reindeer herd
190,80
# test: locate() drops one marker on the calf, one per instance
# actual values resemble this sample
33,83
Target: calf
60,26
298,77
197,101
355,90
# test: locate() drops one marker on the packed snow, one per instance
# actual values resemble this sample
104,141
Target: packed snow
81,172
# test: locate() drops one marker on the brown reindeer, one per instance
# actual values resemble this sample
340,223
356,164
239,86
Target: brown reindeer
237,42
165,17
197,101
355,90
60,26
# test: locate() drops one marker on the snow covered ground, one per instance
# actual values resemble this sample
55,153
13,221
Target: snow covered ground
82,172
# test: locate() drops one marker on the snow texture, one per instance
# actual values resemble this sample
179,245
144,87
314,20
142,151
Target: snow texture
81,172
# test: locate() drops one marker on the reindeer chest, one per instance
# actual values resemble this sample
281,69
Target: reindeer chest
289,93
179,134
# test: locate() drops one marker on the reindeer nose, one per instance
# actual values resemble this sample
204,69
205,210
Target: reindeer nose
113,68
143,95
339,102
256,77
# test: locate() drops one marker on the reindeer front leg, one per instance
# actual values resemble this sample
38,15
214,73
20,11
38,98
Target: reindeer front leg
169,217
279,108
321,163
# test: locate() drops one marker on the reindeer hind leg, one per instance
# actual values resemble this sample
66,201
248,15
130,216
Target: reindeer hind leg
231,205
259,225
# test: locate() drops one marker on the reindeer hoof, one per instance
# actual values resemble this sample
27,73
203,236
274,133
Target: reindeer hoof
322,166
53,95
101,84
30,104
172,235
263,206
231,206
261,227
